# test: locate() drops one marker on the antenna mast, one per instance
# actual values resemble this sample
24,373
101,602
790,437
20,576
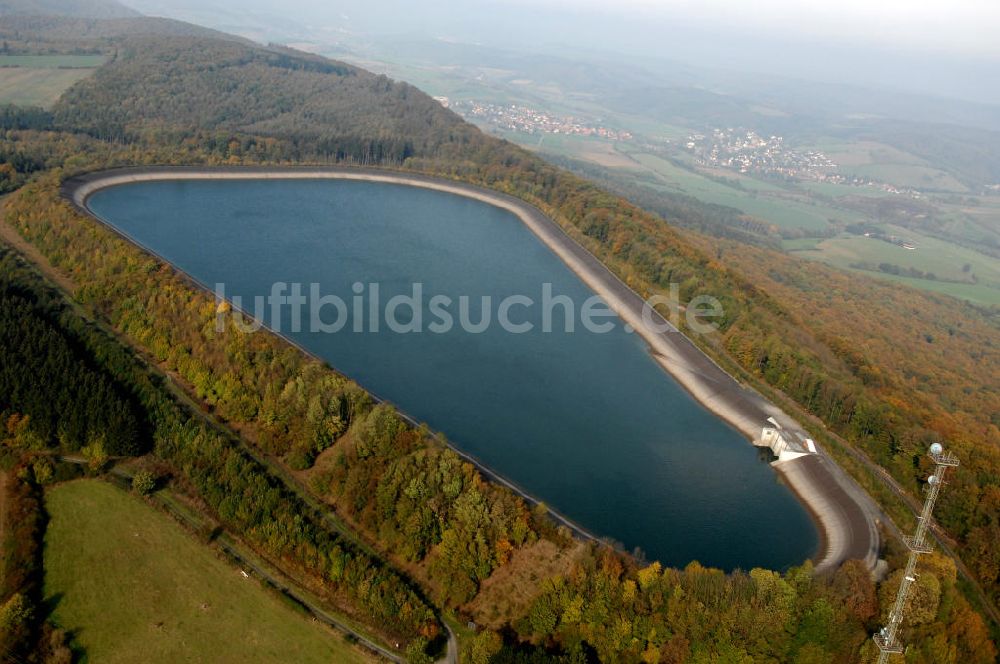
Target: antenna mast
886,638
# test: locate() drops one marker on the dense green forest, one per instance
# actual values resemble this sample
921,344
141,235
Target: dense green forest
46,383
927,371
305,107
240,492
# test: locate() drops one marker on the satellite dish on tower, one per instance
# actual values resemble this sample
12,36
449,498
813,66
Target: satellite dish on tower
937,449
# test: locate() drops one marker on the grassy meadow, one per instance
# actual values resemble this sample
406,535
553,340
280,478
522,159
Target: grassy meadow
953,265
132,585
887,164
39,80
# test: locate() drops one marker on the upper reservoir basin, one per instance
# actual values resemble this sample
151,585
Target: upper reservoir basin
585,421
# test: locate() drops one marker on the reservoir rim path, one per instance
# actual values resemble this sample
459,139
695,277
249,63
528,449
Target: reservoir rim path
845,515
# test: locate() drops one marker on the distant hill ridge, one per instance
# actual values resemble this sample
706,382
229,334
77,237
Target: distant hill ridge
49,31
317,108
100,9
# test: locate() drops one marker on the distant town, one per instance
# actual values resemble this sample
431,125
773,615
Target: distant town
746,151
527,120
734,148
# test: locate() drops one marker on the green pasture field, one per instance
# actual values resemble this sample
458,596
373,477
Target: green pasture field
39,80
131,585
944,259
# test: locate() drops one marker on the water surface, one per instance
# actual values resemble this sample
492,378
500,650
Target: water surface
586,422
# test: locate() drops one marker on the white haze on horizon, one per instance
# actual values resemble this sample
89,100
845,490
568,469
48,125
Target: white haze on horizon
968,27
933,47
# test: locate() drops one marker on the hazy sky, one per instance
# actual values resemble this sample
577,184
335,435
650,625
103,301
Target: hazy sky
941,47
968,27
960,26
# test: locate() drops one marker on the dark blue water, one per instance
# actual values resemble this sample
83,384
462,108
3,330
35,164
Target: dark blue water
586,422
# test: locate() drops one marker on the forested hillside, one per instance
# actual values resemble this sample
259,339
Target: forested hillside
889,370
315,108
71,354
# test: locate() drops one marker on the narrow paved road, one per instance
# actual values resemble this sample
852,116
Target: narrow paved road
849,533
451,654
